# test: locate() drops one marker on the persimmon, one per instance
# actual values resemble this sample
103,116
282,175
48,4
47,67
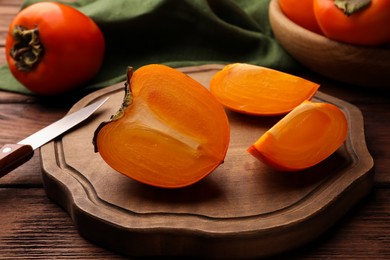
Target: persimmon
258,90
52,48
307,135
302,13
361,22
170,131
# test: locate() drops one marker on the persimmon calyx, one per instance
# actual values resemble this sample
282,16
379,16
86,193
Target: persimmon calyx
28,49
350,7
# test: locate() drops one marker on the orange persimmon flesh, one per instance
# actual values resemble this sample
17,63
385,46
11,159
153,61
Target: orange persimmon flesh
170,132
257,90
307,135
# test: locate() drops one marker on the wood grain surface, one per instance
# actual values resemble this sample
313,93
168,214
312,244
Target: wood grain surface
35,227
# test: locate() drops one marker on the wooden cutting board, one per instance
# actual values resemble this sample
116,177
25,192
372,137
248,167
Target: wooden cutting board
243,209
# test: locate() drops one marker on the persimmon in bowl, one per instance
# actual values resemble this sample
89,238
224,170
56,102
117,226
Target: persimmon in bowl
366,66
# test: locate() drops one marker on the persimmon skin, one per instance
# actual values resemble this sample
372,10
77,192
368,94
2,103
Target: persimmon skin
303,138
257,90
367,27
170,132
302,13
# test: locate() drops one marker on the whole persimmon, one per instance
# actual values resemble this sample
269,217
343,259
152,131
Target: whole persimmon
360,22
53,48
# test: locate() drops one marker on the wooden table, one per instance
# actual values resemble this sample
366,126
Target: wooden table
33,226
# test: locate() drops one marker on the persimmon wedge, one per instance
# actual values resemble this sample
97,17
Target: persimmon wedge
307,135
257,90
170,131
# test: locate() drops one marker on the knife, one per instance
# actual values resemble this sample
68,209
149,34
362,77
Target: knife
14,155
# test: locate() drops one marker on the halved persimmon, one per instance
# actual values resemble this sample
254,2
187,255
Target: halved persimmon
257,90
307,135
170,131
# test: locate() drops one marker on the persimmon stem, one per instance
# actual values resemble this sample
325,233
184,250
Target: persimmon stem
127,100
27,50
350,7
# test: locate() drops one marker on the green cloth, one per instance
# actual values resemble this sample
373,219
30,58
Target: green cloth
177,33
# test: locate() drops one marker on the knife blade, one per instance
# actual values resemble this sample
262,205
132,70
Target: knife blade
14,155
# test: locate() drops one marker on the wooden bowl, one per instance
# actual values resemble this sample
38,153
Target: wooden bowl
362,66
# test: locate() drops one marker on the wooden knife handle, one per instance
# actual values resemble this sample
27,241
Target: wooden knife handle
14,155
